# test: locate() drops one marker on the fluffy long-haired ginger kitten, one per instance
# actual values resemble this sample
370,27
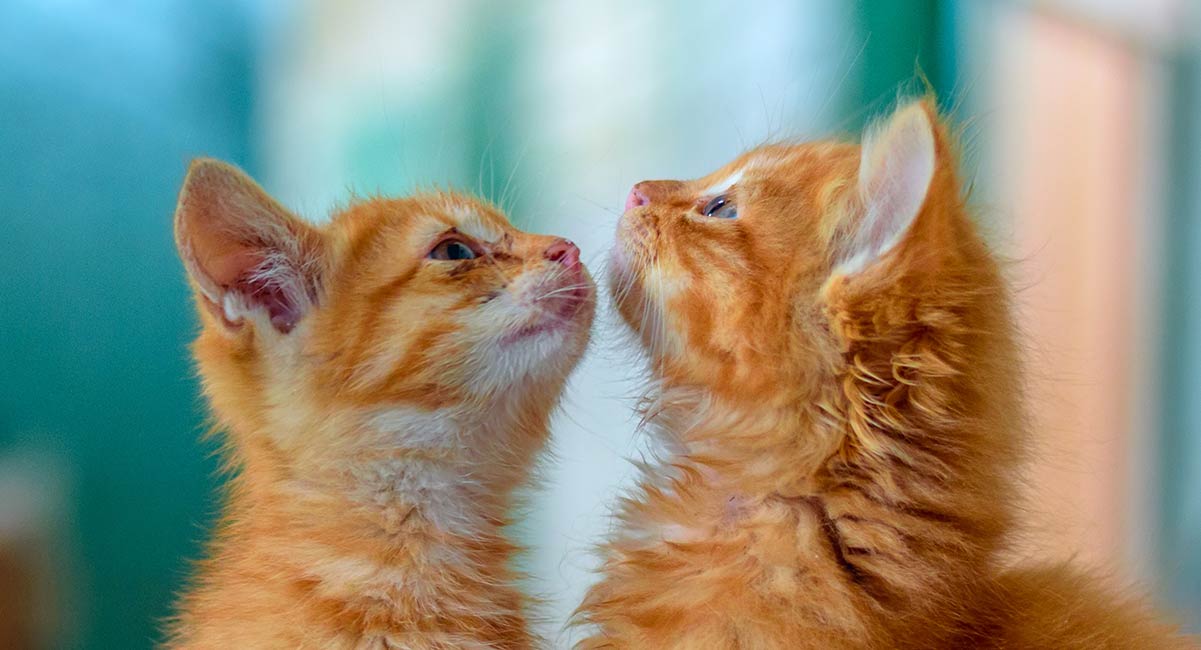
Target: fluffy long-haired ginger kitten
834,380
385,381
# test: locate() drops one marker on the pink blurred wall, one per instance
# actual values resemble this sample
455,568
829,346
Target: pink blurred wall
1074,127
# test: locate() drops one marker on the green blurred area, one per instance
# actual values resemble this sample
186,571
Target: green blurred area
99,113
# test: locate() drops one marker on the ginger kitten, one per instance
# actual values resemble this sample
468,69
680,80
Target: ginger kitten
385,382
836,387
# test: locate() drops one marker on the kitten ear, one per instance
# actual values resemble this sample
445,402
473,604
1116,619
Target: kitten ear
245,253
895,169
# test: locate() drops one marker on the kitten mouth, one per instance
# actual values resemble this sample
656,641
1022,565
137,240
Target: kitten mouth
624,283
557,308
621,269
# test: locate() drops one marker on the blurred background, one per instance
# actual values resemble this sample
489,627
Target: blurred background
1082,123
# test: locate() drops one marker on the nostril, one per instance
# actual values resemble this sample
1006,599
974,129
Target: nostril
636,198
564,252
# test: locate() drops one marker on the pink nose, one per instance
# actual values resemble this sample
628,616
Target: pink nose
636,198
564,252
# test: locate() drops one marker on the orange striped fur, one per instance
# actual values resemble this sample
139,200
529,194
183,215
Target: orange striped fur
379,408
835,386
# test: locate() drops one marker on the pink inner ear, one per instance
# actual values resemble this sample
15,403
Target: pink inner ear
228,265
262,290
244,250
237,267
636,198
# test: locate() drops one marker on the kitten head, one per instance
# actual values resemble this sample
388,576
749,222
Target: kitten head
740,282
426,323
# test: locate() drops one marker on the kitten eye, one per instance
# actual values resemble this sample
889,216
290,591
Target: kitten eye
720,207
452,249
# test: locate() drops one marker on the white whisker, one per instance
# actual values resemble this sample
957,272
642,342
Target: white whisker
567,289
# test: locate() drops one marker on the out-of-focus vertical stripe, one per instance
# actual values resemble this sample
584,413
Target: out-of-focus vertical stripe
1180,452
901,42
1099,105
1070,180
1070,117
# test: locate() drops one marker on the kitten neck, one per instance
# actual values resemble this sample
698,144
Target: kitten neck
385,553
740,449
921,413
454,469
393,533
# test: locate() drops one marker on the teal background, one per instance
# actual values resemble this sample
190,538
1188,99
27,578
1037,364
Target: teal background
1179,540
100,110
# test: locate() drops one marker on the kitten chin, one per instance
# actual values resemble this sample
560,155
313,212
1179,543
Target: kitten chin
833,362
383,383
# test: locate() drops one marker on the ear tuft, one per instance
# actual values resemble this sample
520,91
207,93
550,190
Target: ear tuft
245,253
896,166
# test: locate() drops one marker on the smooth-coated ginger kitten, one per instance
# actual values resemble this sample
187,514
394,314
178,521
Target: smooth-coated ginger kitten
836,387
384,382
